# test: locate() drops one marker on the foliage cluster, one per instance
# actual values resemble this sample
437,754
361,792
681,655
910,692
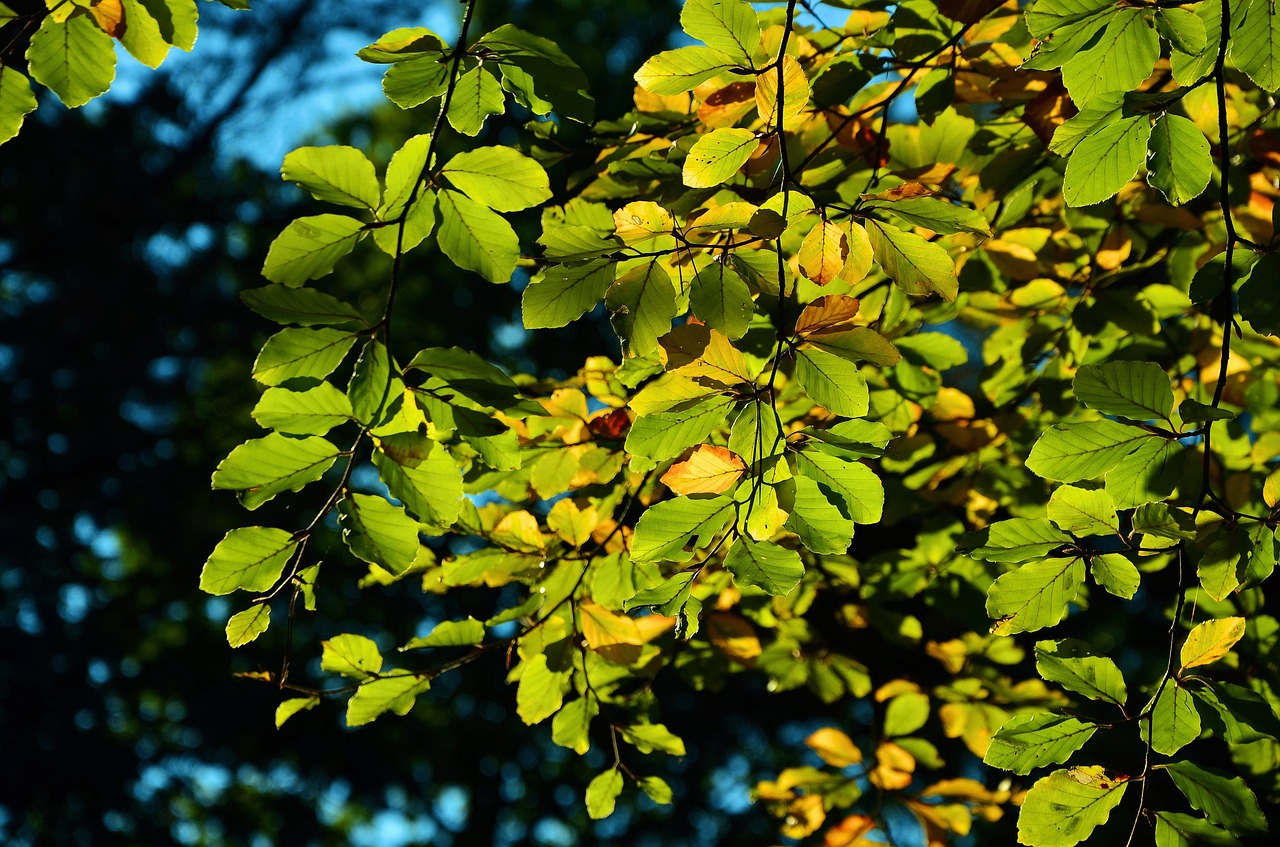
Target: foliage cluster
950,322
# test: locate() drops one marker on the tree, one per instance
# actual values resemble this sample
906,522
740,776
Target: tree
903,380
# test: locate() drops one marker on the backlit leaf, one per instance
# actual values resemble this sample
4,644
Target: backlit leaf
244,627
774,568
264,467
676,71
1105,160
75,59
378,532
251,558
727,25
1065,807
392,692
602,793
1070,665
1226,801
1035,739
1179,163
499,177
310,247
707,470
476,238
1035,595
16,102
301,353
312,412
336,174
1139,391
716,157
1210,641
917,266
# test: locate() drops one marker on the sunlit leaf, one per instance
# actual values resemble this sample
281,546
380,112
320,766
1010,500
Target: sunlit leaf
1066,806
264,467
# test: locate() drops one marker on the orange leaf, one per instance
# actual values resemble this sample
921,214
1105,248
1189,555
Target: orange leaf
110,16
708,470
826,312
733,637
835,748
822,253
849,832
615,637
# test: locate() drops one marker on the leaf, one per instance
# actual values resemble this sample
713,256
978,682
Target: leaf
1139,391
475,238
1064,807
917,266
1034,596
303,306
1147,474
656,789
823,253
1192,412
665,435
1035,739
708,470
642,303
393,692
1115,573
351,655
1246,715
1210,641
476,96
1255,43
647,737
859,344
564,293
376,390
539,74
414,82
1174,829
430,488
16,102
1175,723
727,25
74,59
858,491
1020,540
615,637
1179,164
1072,452
1182,28
1160,520
312,412
289,708
251,558
244,627
602,793
576,242
142,36
378,532
402,45
1070,665
834,747
572,725
677,71
1226,801
816,520
1119,60
832,381
259,469
499,177
572,524
716,157
721,300
769,566
795,96
301,353
541,690
1258,305
1106,160
935,214
450,634
309,248
335,174
664,529
1083,512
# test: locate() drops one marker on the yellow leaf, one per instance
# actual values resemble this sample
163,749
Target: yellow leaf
895,687
804,816
849,832
822,253
733,637
735,215
704,355
724,107
1210,641
795,95
708,470
519,531
642,220
835,748
572,524
826,312
894,767
859,260
616,638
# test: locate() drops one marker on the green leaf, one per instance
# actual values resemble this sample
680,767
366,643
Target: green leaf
414,82
1115,573
656,788
260,469
1064,807
301,354
302,306
664,435
571,726
1175,723
1035,739
1182,28
177,21
1083,512
818,523
74,59
937,215
477,95
1246,715
541,690
402,45
16,102
1192,412
906,713
1226,801
1258,303
1139,391
832,382
1069,664
476,238
1106,160
539,74
563,293
1119,60
335,174
1219,565
1162,521
683,69
1034,596
664,529
450,634
576,242
351,655
1174,829
1147,474
647,737
602,793
769,566
376,391
1255,42
858,492
499,177
917,266
859,344
393,692
310,247
312,412
289,708
716,157
244,627
1072,452
467,374
642,303
1019,540
404,173
1180,163
251,558
727,25
378,532
721,300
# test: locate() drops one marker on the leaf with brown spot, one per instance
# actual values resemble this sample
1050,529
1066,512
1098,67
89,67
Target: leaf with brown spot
823,252
707,470
826,312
